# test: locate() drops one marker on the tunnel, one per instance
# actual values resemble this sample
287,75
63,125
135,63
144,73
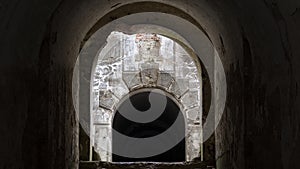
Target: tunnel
258,45
143,130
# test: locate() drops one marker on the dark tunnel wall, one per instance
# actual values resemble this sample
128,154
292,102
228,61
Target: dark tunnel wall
258,43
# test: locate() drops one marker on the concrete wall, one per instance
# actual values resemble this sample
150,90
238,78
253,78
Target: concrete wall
257,41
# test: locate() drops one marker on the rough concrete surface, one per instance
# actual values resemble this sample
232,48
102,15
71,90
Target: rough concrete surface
257,40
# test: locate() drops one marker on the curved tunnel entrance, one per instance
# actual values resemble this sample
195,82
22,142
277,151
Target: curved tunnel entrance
145,130
128,66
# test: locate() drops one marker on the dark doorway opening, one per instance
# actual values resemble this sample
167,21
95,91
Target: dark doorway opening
143,130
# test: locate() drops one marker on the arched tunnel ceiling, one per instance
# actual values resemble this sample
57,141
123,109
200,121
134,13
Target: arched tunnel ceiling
257,41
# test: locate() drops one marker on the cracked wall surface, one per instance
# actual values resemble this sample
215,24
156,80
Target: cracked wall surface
132,62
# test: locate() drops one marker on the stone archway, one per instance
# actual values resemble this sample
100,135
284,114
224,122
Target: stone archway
170,68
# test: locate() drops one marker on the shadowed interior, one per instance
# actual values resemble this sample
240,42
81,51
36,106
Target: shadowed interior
139,130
